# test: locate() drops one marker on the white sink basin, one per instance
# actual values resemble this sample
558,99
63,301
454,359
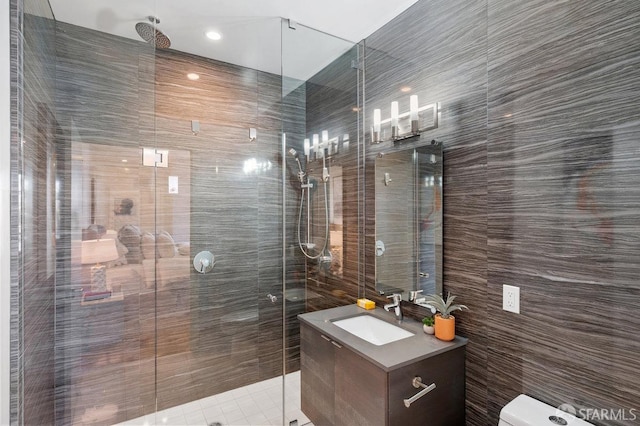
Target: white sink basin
372,329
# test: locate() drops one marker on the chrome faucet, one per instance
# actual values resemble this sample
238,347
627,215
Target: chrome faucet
397,297
413,295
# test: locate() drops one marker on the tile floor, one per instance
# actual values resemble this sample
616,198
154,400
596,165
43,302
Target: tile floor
255,405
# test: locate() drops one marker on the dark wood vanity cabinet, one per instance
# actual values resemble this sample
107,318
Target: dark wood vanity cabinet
317,366
341,387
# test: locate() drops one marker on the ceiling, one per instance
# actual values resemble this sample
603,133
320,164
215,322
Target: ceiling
251,29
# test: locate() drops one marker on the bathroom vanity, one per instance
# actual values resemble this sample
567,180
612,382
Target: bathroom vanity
347,380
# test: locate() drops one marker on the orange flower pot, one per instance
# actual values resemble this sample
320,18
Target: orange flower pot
445,328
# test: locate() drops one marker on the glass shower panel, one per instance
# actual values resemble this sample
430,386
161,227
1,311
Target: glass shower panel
34,172
320,181
105,301
162,166
219,192
152,157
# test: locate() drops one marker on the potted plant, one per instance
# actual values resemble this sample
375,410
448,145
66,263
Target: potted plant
427,325
445,323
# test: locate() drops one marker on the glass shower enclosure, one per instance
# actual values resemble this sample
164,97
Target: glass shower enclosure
163,216
175,170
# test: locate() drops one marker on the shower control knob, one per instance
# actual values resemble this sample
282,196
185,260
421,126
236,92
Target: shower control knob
204,262
272,298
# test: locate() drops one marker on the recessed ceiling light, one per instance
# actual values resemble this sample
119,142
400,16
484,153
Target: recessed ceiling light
124,161
193,76
405,89
213,35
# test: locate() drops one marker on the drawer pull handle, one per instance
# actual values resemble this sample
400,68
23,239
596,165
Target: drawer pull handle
417,383
336,345
325,337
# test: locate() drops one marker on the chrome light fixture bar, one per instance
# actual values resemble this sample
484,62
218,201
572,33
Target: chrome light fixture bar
405,125
321,146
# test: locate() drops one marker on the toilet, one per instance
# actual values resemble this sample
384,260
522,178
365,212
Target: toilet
526,411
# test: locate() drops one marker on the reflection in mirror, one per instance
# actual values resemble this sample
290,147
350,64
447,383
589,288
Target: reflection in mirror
408,193
335,221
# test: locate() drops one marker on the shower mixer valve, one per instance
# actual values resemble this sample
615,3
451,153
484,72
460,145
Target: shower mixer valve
204,262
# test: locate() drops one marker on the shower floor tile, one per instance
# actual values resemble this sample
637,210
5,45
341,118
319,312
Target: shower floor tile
259,404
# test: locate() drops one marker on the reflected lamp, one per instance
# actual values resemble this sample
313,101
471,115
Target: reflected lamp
96,252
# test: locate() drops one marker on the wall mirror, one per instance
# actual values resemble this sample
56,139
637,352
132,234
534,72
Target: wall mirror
408,243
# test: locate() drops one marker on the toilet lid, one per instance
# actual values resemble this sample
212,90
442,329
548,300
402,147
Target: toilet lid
526,411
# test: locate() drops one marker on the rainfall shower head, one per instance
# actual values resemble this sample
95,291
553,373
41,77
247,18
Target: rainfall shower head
150,34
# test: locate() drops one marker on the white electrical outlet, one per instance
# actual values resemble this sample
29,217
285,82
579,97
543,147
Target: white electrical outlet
511,298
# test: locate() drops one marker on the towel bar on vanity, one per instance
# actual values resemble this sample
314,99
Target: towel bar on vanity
417,383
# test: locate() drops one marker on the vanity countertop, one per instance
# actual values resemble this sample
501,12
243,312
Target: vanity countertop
390,356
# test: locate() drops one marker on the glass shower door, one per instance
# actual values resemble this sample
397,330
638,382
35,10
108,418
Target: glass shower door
163,166
160,156
320,183
104,299
219,331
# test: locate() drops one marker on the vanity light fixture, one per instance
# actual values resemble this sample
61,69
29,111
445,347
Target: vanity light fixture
413,113
377,123
403,125
322,146
213,35
394,119
316,144
307,147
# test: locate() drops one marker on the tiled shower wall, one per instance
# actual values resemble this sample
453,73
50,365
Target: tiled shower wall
540,125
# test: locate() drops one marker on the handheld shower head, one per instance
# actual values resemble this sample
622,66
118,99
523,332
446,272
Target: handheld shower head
295,155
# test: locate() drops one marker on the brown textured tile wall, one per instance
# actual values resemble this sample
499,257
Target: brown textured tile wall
540,129
563,203
438,49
